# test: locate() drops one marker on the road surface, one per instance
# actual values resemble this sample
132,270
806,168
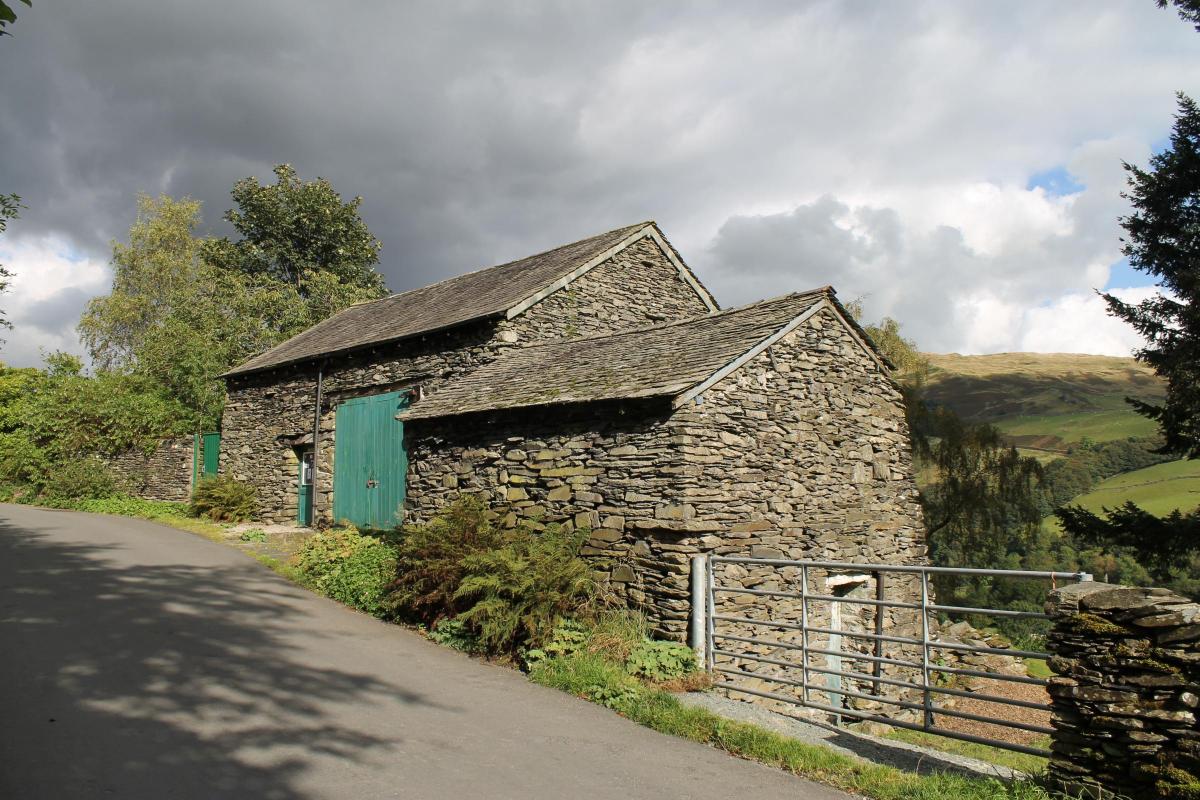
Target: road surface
139,661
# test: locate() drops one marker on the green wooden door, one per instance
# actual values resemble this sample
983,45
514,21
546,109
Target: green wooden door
304,496
212,453
369,462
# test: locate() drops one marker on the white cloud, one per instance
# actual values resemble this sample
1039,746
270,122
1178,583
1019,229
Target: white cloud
51,286
1079,323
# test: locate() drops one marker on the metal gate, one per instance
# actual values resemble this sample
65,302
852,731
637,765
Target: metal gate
769,623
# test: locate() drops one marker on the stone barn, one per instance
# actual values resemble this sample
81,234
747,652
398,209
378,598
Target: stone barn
597,386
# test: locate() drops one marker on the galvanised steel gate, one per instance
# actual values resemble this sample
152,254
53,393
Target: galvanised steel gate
764,625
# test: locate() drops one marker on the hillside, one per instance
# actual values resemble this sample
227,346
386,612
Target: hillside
1045,401
1159,489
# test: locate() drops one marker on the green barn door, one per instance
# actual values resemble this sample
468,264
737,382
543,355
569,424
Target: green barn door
369,462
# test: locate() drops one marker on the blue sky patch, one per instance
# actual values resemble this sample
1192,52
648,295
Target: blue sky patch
1121,275
1056,182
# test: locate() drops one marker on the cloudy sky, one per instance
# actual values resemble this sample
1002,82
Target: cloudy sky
954,165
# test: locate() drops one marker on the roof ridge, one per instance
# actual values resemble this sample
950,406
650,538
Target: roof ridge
826,290
461,275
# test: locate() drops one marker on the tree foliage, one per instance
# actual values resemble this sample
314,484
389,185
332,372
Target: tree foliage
179,321
1189,10
1173,537
10,209
1163,240
301,233
8,16
184,309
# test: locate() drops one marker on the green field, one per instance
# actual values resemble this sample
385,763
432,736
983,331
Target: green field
1159,489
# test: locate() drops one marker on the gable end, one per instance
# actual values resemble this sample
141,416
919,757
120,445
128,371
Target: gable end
649,231
740,361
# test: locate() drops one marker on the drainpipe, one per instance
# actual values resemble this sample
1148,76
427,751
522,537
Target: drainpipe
316,494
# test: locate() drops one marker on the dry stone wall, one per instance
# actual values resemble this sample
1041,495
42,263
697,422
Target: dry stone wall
269,415
1126,696
165,473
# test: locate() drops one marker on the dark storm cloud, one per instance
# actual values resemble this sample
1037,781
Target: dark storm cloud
480,131
458,125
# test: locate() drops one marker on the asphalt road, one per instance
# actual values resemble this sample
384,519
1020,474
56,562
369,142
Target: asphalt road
138,661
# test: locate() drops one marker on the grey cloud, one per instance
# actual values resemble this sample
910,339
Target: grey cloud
478,132
57,313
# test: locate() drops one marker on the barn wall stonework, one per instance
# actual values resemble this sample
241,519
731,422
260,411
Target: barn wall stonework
638,286
266,414
802,453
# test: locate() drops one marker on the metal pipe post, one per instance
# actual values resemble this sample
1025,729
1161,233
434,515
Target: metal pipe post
699,626
927,701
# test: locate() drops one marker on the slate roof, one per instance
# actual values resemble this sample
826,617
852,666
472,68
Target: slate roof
663,360
476,295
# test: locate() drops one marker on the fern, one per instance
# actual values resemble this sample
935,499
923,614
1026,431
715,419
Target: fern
518,594
222,498
429,561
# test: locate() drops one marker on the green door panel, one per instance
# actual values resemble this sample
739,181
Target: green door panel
212,453
304,496
369,462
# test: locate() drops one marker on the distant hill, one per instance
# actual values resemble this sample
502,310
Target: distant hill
1045,401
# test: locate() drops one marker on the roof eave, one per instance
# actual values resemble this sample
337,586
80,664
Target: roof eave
238,372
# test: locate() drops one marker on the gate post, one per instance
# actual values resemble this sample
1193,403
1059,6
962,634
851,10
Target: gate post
699,621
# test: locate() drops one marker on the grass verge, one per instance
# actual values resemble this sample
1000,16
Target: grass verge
1022,762
591,676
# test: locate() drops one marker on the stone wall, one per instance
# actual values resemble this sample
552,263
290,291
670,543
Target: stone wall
1125,702
268,415
638,286
165,473
802,453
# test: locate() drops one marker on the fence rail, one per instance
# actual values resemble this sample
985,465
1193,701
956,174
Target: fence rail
790,664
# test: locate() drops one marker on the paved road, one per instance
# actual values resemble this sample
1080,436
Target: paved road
138,661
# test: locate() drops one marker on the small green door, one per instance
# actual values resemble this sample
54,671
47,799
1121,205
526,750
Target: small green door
305,505
369,462
212,453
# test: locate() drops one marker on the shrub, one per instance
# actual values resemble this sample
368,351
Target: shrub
519,593
84,478
126,506
455,634
222,498
254,535
661,661
569,638
429,561
349,567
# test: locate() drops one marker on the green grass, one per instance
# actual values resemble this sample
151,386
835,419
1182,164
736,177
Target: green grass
1038,668
1159,489
1030,765
1075,426
600,680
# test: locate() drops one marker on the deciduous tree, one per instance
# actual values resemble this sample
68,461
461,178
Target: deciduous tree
302,233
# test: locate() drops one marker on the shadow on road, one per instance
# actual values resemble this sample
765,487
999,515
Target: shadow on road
149,681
